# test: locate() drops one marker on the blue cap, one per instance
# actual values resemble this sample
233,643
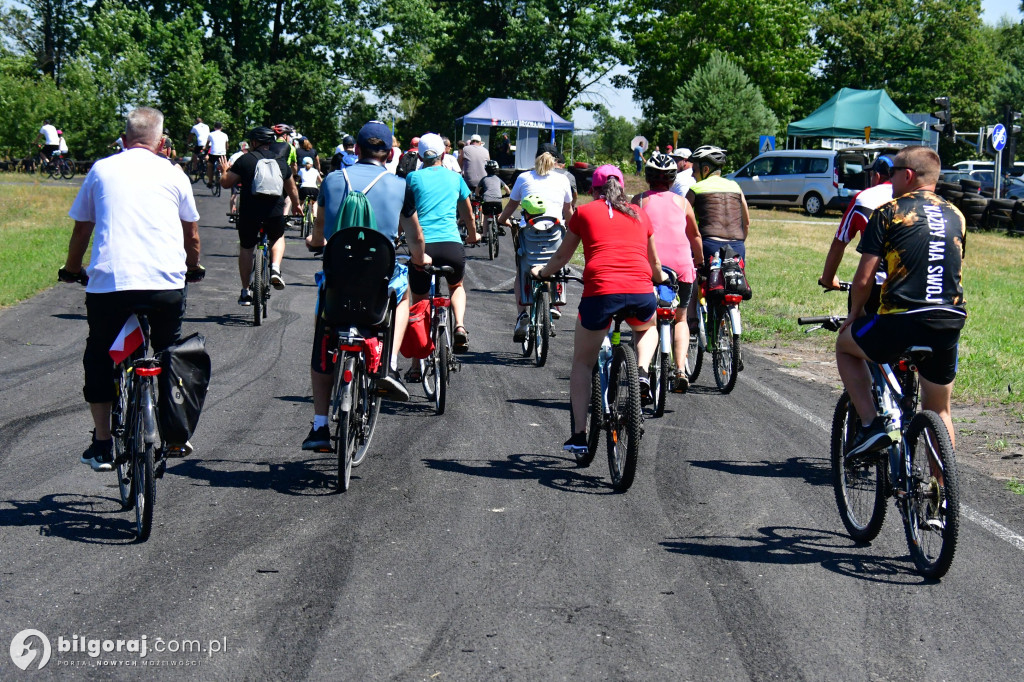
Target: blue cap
883,166
374,130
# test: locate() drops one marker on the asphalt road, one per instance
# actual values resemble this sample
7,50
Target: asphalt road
469,546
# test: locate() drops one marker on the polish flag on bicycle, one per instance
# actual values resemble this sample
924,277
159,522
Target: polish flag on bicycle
127,341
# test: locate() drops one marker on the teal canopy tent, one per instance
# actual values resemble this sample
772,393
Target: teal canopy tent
849,111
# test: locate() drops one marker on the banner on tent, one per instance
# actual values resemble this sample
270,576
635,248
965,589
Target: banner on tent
516,123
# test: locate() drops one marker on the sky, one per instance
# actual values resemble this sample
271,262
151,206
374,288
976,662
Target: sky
620,102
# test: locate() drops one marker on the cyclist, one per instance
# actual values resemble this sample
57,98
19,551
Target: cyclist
310,182
259,210
306,149
348,151
216,150
51,141
920,237
283,148
684,177
141,216
540,235
438,194
199,132
679,246
855,219
167,147
393,204
472,159
621,261
243,147
450,161
721,209
491,190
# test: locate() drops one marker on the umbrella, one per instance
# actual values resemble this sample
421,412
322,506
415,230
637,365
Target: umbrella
639,140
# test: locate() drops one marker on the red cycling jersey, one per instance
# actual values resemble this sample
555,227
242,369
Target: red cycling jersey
614,248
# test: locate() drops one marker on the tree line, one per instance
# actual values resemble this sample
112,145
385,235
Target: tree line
721,72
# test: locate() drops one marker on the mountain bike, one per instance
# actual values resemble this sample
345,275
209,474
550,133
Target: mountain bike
216,188
58,166
438,366
541,328
490,234
918,470
718,332
307,216
260,280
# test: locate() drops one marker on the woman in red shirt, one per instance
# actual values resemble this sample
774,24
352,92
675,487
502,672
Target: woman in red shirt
618,248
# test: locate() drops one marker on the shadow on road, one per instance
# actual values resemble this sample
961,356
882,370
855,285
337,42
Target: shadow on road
69,316
243,320
814,471
80,518
305,478
792,546
295,398
559,473
490,357
697,389
551,403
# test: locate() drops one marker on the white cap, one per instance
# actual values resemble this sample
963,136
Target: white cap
475,138
431,146
308,161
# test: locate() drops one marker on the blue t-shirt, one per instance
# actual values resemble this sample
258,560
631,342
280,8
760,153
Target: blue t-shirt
438,192
388,196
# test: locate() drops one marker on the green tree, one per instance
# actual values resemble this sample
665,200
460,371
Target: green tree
613,135
719,105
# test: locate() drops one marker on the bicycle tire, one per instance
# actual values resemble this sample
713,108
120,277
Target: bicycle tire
257,286
441,376
694,357
67,169
595,419
144,483
197,169
53,170
664,383
346,424
427,372
307,218
369,408
860,490
543,328
727,352
626,420
121,432
931,516
492,239
215,190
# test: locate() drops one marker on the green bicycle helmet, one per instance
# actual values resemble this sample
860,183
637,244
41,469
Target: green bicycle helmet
534,204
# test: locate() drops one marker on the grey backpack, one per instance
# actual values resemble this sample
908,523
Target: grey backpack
268,180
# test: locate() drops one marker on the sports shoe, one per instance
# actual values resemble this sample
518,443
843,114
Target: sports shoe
245,298
393,387
99,455
276,280
577,444
556,314
646,398
318,440
682,384
522,327
179,451
871,438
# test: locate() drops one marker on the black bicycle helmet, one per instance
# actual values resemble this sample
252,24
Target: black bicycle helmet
283,129
660,169
261,135
491,166
709,155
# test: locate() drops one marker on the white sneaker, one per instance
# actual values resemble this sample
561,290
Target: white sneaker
522,327
556,314
276,280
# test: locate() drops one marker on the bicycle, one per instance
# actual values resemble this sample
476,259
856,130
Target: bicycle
615,407
436,369
58,166
722,317
260,279
216,188
662,371
921,474
197,169
307,216
541,327
491,236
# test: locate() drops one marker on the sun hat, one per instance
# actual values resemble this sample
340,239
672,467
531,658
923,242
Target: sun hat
475,138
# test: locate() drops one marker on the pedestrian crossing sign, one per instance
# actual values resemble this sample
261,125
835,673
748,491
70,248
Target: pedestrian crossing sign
766,143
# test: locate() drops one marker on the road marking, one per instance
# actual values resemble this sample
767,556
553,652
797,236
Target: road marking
997,529
503,286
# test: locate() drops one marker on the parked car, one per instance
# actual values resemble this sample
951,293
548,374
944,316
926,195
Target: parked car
1012,188
817,179
970,166
954,175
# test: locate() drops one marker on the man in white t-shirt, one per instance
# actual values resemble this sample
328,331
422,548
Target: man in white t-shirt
216,149
50,141
139,212
243,148
684,176
200,131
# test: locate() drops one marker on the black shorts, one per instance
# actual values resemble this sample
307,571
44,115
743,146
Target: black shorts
308,192
490,208
883,338
596,312
441,253
249,229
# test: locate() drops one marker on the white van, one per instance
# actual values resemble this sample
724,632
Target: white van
817,179
986,165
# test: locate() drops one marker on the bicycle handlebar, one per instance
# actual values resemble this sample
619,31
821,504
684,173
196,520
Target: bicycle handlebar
196,274
829,322
69,277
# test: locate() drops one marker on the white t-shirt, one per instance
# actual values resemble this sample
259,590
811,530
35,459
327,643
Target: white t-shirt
50,133
218,143
234,157
684,181
451,163
120,145
137,201
309,176
63,145
201,131
553,187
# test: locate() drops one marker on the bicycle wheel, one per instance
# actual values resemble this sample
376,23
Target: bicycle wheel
428,372
53,169
860,487
663,384
123,435
144,485
932,509
258,256
694,357
543,328
67,169
307,218
527,345
623,438
727,352
595,420
345,412
369,408
215,190
442,359
492,238
197,169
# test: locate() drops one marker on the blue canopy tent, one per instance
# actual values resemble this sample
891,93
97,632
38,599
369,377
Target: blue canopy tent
528,117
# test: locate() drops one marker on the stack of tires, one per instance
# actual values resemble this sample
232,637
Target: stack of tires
982,212
999,214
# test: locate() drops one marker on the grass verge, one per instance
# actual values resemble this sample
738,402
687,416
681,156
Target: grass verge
34,234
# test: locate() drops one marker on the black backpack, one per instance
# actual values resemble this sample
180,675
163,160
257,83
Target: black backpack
407,164
183,381
734,276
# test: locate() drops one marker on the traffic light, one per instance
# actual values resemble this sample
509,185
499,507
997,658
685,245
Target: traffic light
1010,119
945,115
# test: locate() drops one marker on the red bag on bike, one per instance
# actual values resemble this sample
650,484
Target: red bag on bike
373,351
417,342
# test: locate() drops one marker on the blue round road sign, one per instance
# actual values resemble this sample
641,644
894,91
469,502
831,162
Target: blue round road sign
999,137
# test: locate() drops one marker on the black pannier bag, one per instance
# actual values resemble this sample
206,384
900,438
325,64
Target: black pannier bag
183,381
734,276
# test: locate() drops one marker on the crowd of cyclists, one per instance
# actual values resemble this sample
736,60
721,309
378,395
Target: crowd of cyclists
630,244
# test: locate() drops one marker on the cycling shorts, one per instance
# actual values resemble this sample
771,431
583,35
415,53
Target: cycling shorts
308,192
883,338
326,338
248,229
490,208
441,253
596,312
711,247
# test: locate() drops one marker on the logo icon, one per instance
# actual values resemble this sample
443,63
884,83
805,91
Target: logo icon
177,396
23,654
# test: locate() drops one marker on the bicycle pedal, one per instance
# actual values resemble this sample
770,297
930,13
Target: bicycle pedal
161,467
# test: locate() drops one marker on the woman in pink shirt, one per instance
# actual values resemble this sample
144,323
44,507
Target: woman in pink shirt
679,246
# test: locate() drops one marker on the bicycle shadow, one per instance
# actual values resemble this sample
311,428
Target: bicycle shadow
794,546
550,403
559,473
295,398
815,471
69,316
311,477
222,320
697,389
90,519
490,357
